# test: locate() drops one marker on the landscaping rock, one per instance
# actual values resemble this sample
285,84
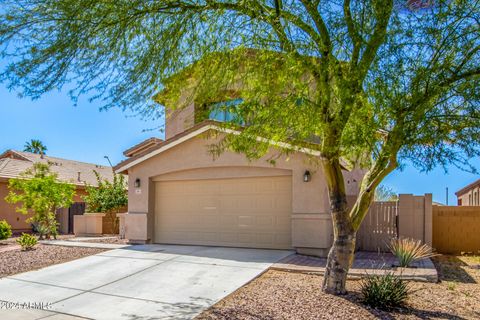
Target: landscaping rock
17,261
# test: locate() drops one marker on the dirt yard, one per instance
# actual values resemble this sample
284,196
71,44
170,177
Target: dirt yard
284,295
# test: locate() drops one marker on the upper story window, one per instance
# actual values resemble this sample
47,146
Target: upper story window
224,111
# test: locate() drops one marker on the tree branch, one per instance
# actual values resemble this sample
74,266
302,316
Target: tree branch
320,25
383,11
356,38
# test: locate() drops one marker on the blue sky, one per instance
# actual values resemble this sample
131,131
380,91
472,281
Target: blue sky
79,132
84,133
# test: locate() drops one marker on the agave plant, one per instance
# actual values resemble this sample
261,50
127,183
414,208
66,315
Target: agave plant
384,291
408,250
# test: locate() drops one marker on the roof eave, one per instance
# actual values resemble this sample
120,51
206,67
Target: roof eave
467,188
4,154
123,166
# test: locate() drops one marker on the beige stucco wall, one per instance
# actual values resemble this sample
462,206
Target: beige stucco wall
88,224
7,211
179,120
311,224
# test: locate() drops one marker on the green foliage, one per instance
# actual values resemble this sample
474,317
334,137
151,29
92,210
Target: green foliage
384,291
409,250
35,146
27,241
5,230
38,192
378,80
363,83
107,196
384,193
451,285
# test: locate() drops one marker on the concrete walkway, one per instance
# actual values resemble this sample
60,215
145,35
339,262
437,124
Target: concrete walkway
136,282
365,263
10,247
79,243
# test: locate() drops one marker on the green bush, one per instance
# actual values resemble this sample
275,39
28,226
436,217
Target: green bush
27,241
5,230
384,291
409,250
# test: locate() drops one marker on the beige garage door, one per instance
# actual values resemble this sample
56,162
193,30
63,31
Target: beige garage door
246,212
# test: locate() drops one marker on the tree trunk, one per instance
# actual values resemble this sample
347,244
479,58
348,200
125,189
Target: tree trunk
341,255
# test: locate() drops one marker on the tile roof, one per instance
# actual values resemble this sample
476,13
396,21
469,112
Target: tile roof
13,163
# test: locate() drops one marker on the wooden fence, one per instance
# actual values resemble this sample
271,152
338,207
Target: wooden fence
378,227
456,229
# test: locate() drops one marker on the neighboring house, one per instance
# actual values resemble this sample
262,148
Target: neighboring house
13,163
179,194
469,195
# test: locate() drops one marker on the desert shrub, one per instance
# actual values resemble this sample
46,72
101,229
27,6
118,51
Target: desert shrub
27,241
384,291
5,230
409,250
107,197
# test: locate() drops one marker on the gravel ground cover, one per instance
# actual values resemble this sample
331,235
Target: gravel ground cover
17,261
13,240
287,295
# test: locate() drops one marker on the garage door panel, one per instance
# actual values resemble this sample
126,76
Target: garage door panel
282,223
228,221
234,187
265,222
283,239
281,203
247,212
265,187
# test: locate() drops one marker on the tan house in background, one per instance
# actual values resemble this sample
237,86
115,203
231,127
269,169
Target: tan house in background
469,195
179,194
13,163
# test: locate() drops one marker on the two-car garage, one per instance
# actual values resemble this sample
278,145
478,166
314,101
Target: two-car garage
238,212
181,193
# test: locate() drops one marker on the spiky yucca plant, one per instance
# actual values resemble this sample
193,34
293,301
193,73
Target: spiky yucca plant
384,291
408,250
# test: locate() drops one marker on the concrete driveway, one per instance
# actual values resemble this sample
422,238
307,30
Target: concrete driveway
136,283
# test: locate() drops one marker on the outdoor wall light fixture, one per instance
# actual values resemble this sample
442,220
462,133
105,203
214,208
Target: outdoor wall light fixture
137,183
307,176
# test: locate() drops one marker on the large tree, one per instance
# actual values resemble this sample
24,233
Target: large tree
367,83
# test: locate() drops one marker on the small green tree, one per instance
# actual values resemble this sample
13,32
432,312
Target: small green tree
39,193
35,146
107,197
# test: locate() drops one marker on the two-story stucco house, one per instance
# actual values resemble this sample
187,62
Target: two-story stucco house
469,195
180,194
